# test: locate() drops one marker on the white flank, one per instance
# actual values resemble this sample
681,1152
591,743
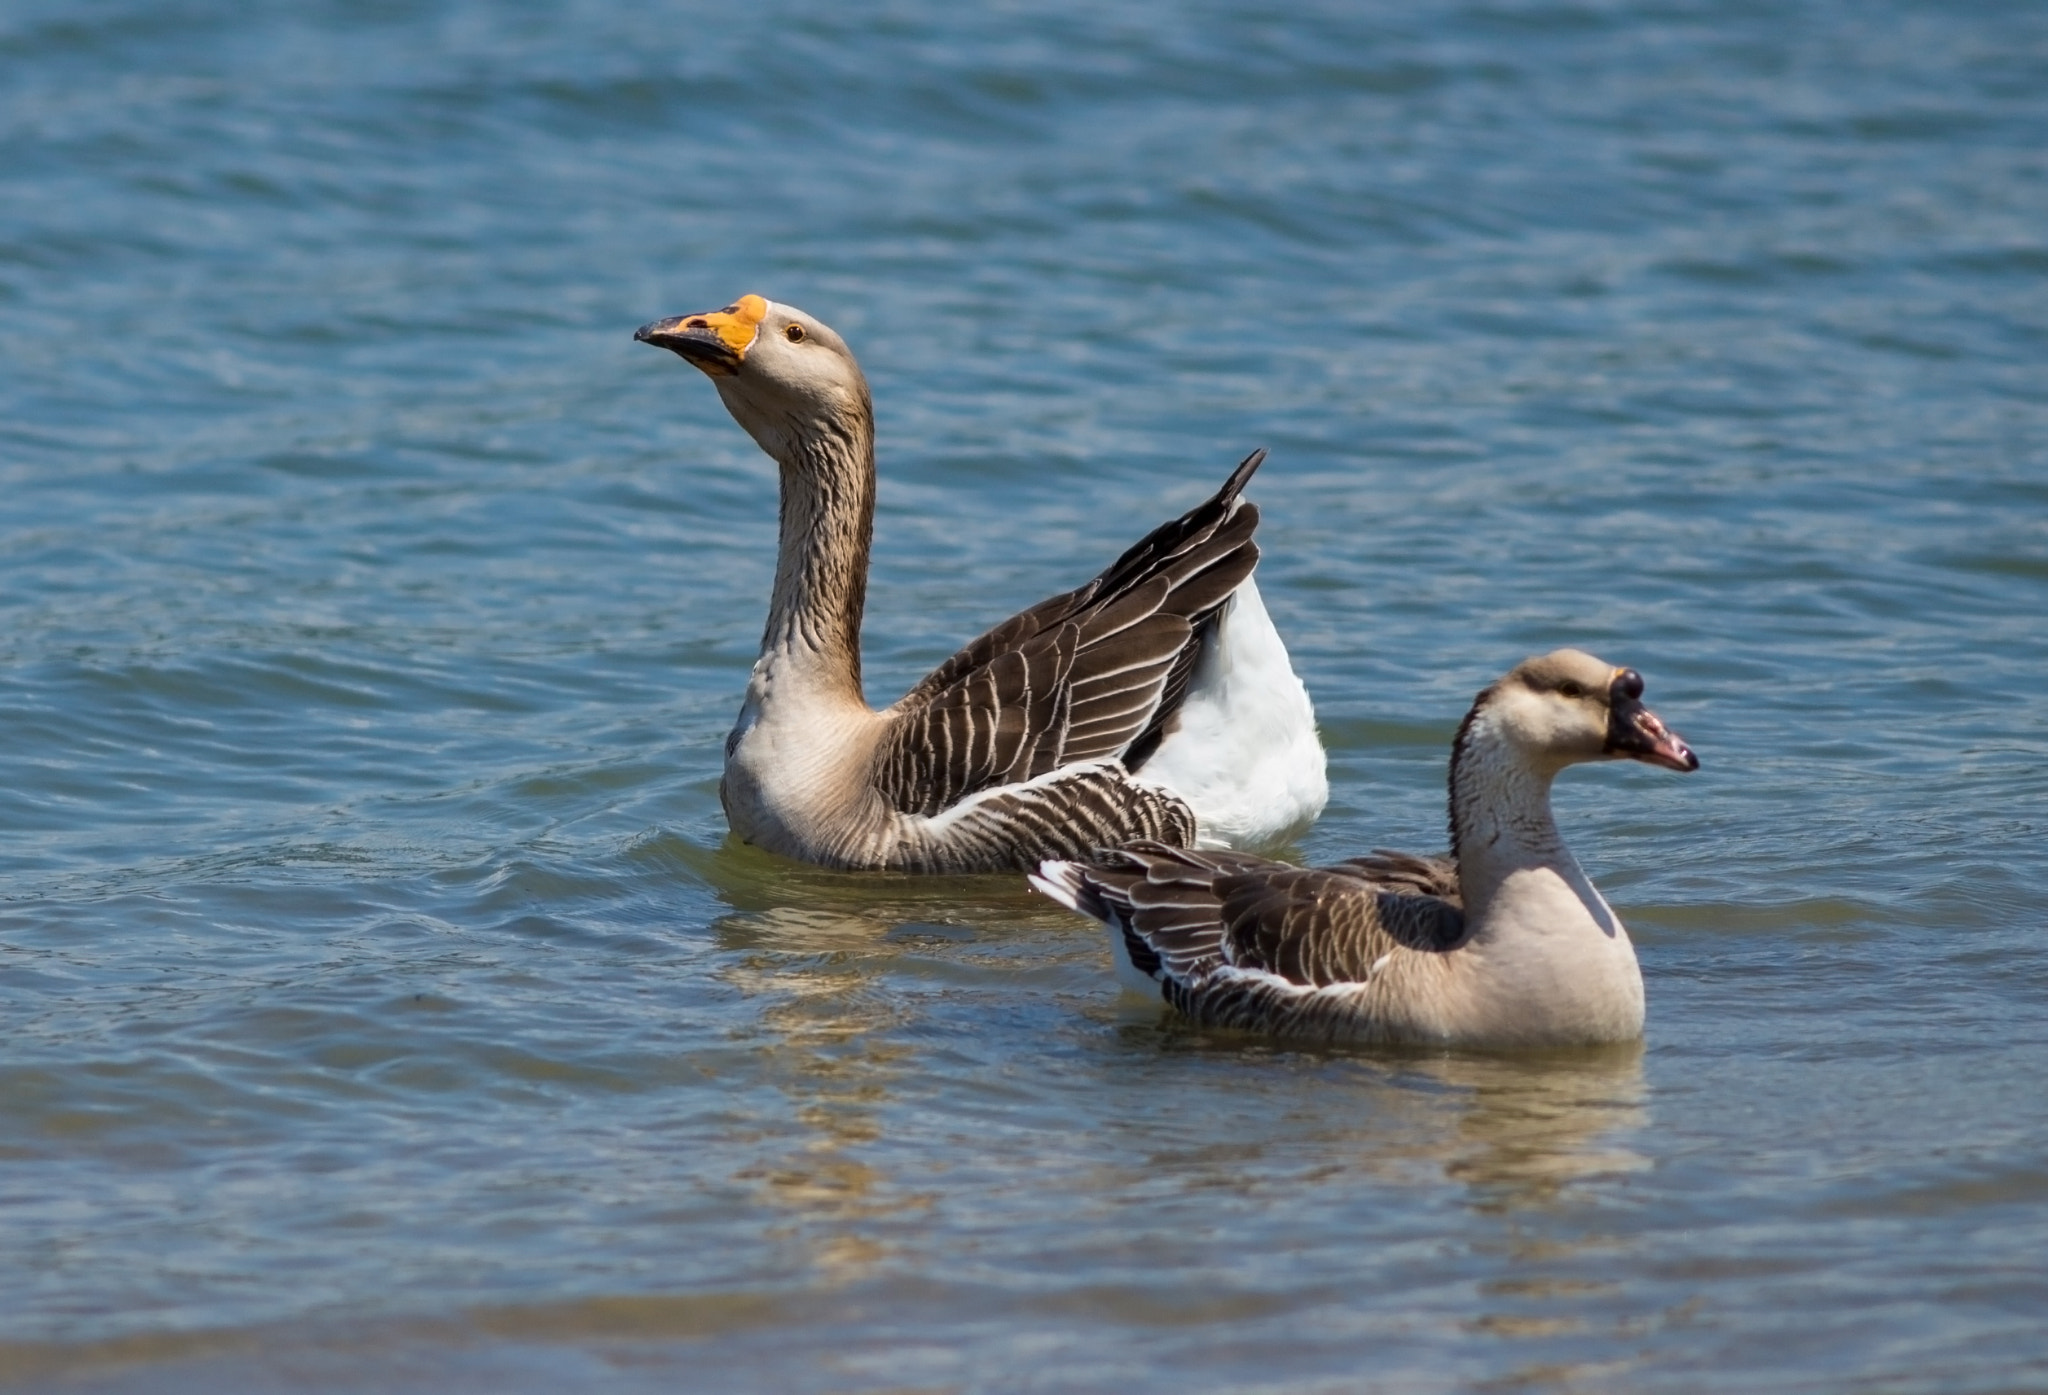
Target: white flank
1062,882
1132,978
1245,754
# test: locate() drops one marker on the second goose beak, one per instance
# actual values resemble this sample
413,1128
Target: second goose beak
1636,732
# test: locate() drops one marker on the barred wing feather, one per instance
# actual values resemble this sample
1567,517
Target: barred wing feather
1094,674
1322,926
1193,917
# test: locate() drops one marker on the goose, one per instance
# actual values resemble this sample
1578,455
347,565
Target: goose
1505,943
1155,702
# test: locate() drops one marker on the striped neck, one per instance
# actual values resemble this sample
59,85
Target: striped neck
1500,816
821,569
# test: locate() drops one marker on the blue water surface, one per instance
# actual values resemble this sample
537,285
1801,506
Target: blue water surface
384,1005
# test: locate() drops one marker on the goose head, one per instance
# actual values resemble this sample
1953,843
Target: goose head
1567,707
787,378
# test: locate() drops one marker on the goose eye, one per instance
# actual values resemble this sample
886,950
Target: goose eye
1570,689
794,334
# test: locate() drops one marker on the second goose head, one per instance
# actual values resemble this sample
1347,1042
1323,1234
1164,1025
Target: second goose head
1547,713
786,377
1567,706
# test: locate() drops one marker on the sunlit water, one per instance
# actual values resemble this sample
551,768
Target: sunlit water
383,1006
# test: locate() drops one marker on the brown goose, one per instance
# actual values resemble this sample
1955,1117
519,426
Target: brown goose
1154,702
1505,943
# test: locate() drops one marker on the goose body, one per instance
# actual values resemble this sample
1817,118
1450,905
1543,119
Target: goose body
1505,943
1155,702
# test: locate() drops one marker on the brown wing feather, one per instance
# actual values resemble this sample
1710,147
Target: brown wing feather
1325,925
1065,817
1191,912
1163,900
1095,673
1409,874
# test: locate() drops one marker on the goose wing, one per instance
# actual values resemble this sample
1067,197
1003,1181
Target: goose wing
1319,926
1093,674
1160,900
1408,873
1186,915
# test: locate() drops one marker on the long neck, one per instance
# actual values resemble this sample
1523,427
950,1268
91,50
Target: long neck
821,570
1550,961
1501,822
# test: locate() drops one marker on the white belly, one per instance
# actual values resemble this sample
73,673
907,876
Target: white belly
1245,754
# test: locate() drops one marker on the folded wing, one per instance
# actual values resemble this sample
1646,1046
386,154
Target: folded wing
1194,917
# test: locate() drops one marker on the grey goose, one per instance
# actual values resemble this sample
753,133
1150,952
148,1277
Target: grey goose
1155,702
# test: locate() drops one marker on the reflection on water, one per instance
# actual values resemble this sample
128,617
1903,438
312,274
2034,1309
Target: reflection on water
749,880
810,948
1534,1126
1538,1146
830,1058
820,1037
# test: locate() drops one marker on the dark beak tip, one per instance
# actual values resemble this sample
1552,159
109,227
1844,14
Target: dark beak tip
1677,756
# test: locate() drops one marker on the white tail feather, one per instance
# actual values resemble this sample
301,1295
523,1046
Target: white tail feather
1244,752
1062,882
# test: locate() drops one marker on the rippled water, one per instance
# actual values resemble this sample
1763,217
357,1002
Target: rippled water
384,1008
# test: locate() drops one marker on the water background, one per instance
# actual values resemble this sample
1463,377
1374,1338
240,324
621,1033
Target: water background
381,1005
